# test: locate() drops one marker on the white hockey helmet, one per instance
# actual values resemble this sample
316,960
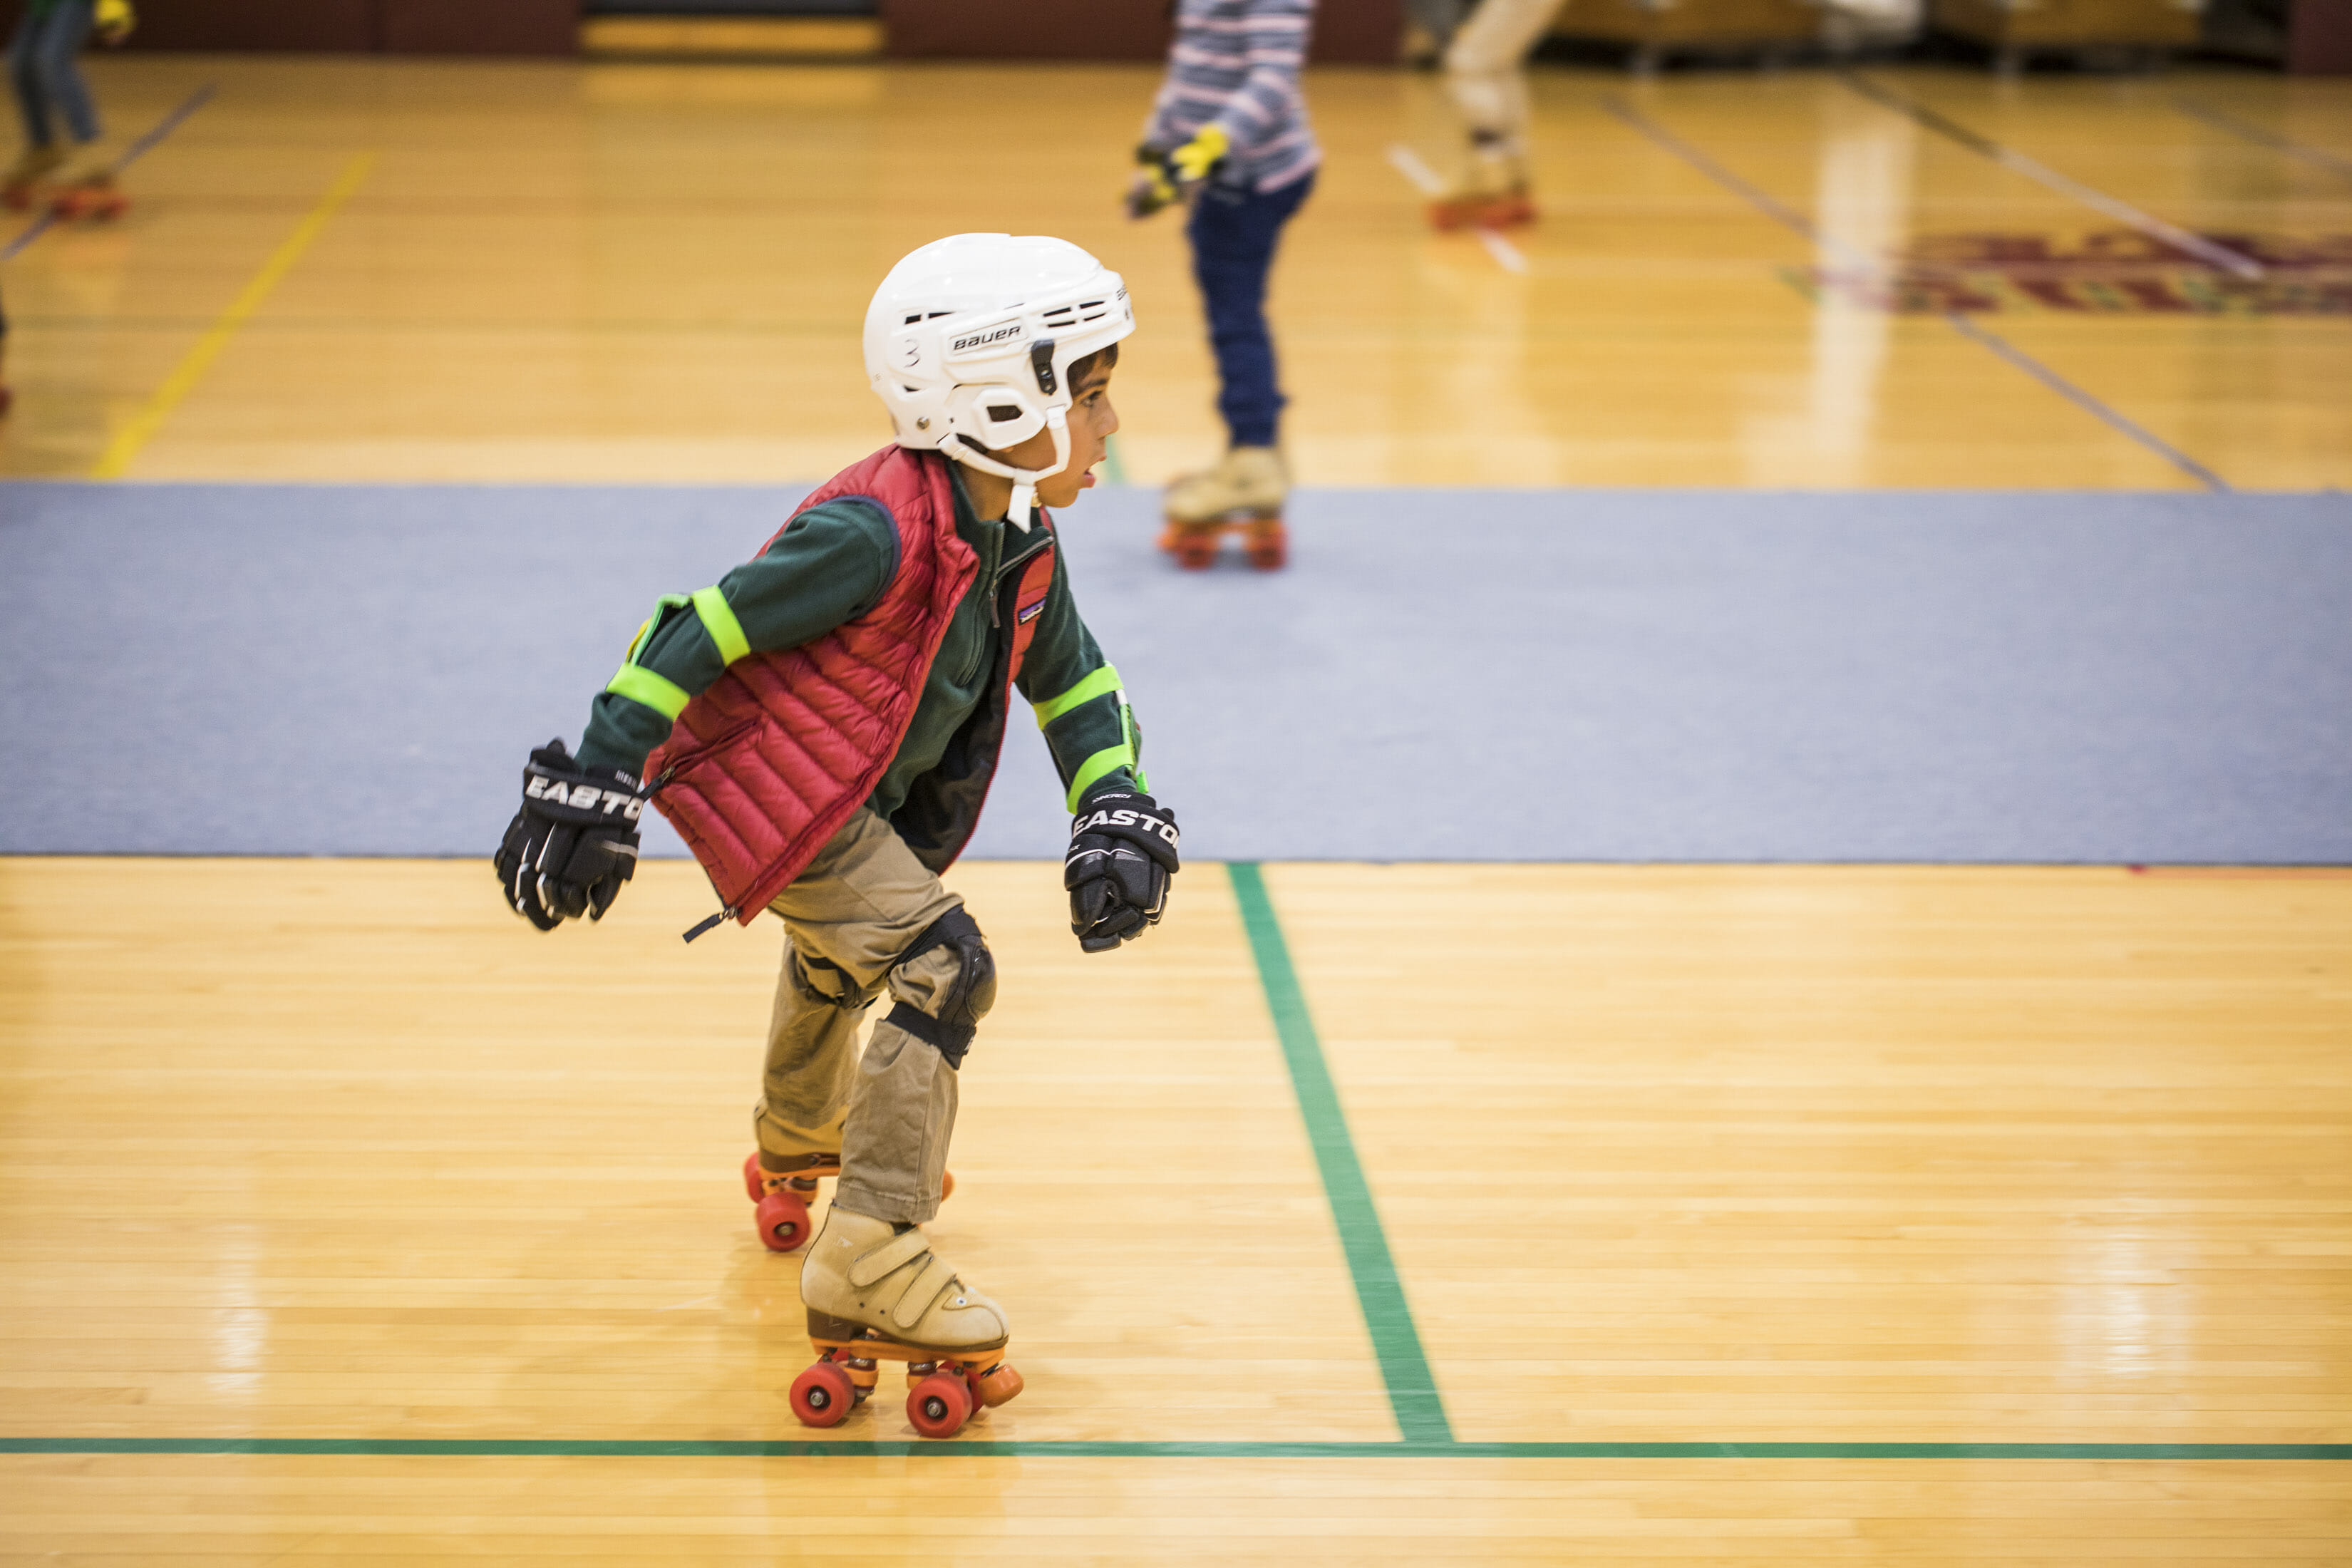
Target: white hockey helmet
973,335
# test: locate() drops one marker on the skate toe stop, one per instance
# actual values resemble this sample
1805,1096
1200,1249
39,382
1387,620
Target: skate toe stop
999,1385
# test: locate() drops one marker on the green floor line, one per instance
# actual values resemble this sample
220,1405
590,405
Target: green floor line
1413,1391
1114,469
525,1449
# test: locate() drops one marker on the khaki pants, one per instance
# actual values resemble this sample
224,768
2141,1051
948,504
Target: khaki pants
861,903
1485,66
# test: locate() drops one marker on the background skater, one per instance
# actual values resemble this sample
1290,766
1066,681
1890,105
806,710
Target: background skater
45,73
1486,71
1229,135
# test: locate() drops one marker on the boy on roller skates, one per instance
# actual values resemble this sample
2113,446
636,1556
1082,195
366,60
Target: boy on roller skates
46,78
1228,137
821,726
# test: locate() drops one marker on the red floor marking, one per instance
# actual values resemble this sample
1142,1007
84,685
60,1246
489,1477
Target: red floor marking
2112,272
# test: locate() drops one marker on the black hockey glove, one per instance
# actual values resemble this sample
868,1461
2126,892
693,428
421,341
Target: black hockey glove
573,843
1122,852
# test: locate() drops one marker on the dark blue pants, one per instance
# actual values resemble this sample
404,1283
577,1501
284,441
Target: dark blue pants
1233,232
46,77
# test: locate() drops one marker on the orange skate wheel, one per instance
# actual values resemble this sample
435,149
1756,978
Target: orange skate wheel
83,201
1510,210
995,1386
782,1220
1195,544
824,1395
1269,545
939,1405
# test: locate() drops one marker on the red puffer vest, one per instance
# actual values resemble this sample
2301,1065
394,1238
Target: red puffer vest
765,765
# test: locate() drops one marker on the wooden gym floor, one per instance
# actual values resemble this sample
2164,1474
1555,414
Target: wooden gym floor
1928,1172
360,270
1770,1214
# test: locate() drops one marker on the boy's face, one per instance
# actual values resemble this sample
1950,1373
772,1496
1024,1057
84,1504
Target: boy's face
1092,420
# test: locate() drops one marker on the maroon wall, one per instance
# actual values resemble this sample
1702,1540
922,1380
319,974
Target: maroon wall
355,26
479,27
336,25
1025,29
2320,38
1346,32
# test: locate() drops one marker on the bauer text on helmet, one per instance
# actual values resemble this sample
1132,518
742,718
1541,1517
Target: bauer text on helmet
973,336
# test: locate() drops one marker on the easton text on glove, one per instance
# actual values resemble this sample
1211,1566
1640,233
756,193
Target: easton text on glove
1124,847
573,843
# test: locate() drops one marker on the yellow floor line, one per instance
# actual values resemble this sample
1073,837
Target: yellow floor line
125,446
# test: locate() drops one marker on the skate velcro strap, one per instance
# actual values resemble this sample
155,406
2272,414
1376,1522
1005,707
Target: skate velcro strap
949,1040
930,1285
896,1253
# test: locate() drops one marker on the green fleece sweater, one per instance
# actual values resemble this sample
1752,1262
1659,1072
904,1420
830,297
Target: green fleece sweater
831,565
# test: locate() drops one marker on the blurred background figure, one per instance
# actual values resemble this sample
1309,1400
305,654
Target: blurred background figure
1486,71
1229,138
1429,27
45,75
1876,28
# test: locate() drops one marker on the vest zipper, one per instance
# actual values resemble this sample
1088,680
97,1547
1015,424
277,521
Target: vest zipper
729,914
996,587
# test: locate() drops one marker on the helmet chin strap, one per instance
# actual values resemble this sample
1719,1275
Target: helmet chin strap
1024,481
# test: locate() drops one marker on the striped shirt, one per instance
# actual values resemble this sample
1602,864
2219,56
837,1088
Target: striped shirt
1234,64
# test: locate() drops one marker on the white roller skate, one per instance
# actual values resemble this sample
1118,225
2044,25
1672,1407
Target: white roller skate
1244,493
88,193
875,1292
1493,194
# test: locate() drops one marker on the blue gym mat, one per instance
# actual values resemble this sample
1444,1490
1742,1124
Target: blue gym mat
1537,675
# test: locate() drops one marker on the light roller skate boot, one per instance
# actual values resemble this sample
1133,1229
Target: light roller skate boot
784,1188
1495,195
1244,492
91,194
21,186
875,1291
1483,208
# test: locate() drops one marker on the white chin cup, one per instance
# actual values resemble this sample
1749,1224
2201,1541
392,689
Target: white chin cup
995,415
1024,481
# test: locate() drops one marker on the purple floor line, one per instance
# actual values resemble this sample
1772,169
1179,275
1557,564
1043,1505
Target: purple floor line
2171,235
2316,157
1790,218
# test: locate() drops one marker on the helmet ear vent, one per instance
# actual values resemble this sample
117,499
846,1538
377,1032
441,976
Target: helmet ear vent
1000,412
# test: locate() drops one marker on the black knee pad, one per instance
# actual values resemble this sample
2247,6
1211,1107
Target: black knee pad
949,1031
